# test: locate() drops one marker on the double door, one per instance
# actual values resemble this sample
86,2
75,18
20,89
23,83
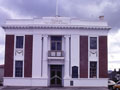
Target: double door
56,75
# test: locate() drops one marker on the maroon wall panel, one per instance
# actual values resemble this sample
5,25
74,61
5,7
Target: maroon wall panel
83,56
9,54
103,56
28,56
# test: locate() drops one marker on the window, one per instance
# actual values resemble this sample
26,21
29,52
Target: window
74,72
93,69
18,68
56,43
93,42
19,41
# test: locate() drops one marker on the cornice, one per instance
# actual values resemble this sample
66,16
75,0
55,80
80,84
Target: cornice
55,27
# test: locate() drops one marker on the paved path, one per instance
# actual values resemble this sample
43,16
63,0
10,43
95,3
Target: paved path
51,88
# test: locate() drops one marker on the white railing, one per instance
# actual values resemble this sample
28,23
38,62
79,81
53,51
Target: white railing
55,54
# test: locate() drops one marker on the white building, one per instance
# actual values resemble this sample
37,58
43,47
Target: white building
56,51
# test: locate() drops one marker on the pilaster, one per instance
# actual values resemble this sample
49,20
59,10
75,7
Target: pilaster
45,55
37,49
67,60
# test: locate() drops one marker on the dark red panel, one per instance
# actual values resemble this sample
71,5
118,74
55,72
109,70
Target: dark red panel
83,56
103,57
28,56
9,55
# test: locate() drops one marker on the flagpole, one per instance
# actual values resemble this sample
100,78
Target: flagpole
56,8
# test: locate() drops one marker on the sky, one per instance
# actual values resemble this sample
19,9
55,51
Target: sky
83,9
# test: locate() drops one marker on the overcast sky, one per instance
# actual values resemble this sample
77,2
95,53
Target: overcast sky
83,9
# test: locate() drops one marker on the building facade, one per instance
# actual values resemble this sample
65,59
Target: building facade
56,51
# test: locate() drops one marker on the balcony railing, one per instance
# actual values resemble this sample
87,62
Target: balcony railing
55,54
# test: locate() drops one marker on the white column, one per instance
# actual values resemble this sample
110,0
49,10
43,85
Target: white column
67,57
45,55
36,62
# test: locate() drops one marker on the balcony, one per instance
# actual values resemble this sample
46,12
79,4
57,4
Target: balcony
55,55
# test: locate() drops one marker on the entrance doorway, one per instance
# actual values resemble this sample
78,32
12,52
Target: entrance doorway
56,75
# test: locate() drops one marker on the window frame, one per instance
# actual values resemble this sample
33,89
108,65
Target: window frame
22,68
56,42
75,73
90,69
90,46
16,45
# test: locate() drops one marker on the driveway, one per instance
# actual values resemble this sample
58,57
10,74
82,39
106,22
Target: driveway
52,88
